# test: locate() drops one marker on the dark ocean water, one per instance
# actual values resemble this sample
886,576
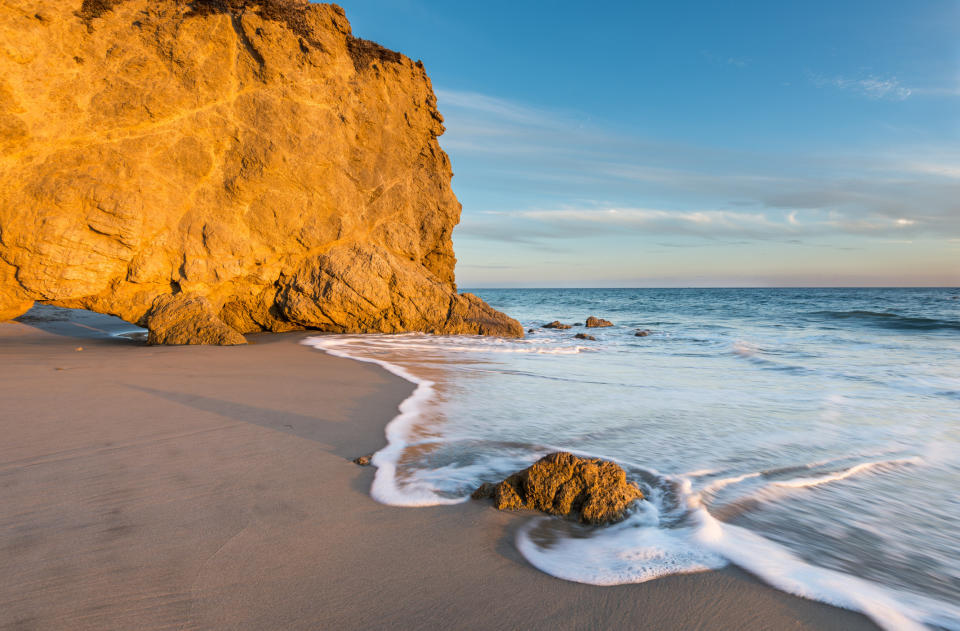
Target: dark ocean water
810,436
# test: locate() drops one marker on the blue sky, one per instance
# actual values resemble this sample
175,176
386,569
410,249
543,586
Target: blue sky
651,144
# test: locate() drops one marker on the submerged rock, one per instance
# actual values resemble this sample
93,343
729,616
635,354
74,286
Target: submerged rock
584,336
593,323
643,333
251,158
590,490
556,324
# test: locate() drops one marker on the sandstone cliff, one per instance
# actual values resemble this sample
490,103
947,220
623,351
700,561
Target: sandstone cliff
218,167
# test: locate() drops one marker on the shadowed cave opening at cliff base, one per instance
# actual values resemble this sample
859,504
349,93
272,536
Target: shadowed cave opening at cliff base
289,12
81,323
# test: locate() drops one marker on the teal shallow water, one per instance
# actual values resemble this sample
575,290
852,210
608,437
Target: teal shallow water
811,436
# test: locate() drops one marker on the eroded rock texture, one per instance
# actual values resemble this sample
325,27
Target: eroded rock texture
591,490
253,160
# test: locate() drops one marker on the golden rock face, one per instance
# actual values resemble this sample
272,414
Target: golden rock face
590,490
258,157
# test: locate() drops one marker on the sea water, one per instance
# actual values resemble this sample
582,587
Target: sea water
809,436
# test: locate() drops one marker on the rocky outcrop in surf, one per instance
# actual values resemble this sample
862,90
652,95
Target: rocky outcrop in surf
594,322
590,490
211,168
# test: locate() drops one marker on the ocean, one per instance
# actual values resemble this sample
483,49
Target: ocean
808,436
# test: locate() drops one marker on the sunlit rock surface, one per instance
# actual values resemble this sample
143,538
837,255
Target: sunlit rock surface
591,490
255,156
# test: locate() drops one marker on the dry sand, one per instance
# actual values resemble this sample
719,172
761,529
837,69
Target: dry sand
211,488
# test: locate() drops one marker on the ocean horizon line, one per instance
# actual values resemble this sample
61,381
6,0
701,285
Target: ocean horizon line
608,287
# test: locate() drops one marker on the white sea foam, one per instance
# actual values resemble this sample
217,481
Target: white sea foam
716,485
414,491
639,550
539,349
634,551
642,548
870,467
742,347
775,565
699,473
462,344
385,488
864,467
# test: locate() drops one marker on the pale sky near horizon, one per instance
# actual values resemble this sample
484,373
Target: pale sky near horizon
694,143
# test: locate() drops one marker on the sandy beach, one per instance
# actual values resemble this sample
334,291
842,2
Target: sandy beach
211,488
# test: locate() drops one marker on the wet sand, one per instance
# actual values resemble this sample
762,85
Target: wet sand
211,488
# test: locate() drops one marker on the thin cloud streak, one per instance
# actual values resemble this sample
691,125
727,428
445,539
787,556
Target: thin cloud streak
539,184
951,171
533,226
502,110
772,195
871,87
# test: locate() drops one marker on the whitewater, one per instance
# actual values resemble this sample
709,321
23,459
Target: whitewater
808,436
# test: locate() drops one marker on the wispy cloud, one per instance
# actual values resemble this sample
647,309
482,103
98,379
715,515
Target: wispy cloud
941,90
481,124
871,87
951,171
656,220
726,60
502,109
540,226
556,176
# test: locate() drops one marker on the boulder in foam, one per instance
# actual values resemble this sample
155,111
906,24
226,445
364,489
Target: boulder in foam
589,490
